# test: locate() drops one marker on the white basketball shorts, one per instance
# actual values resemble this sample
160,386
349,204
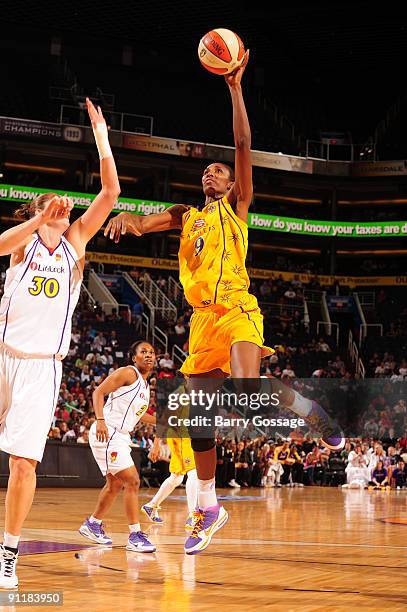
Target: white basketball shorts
114,455
28,396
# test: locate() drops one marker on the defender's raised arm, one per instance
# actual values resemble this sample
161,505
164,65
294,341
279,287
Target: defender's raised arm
84,228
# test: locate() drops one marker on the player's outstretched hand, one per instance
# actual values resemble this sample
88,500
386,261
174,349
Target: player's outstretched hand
102,432
123,223
95,114
235,77
57,208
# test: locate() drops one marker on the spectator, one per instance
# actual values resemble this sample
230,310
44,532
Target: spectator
138,310
166,362
379,476
242,461
84,437
399,475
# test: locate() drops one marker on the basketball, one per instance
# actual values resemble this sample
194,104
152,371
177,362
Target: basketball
221,51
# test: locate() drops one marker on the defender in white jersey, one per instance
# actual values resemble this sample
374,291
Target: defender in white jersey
127,404
47,257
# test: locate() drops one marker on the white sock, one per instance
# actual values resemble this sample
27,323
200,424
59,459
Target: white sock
192,490
92,519
206,494
10,540
301,405
167,487
136,527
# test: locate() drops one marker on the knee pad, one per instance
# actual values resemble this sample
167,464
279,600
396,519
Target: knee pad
200,445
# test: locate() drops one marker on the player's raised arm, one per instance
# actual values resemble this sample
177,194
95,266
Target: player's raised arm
92,220
241,193
127,223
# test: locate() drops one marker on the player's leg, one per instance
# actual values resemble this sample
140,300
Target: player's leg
191,490
245,363
210,516
131,483
167,487
30,386
19,497
92,527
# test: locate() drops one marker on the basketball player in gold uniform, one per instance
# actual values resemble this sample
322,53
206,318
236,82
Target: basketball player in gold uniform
226,335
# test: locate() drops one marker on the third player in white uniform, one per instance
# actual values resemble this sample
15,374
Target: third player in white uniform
127,404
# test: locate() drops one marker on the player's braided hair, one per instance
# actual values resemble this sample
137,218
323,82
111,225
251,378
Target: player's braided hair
27,210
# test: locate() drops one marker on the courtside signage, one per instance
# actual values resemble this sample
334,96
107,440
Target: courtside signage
272,223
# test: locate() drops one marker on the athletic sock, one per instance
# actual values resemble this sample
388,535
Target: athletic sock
11,541
92,519
301,405
192,490
136,527
207,494
166,489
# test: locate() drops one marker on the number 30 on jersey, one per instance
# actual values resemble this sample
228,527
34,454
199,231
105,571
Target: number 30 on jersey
49,286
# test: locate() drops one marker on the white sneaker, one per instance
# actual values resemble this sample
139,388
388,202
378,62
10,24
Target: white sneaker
233,483
8,562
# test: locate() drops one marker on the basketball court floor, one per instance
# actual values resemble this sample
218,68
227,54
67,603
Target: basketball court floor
311,549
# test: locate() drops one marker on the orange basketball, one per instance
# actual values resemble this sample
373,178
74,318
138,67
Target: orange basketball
221,51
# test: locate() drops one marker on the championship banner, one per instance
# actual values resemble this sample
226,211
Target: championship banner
258,273
40,129
259,221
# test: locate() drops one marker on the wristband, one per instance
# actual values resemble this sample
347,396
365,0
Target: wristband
102,419
102,140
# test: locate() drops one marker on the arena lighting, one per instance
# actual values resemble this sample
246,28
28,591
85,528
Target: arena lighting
47,169
375,252
369,202
122,177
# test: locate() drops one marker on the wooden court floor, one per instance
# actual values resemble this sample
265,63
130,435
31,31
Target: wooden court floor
312,549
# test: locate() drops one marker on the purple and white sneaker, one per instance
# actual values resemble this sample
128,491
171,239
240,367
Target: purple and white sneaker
331,435
138,542
152,514
95,532
206,523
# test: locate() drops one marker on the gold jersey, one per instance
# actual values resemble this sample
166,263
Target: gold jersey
212,255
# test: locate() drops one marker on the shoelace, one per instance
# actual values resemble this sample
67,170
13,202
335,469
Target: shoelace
198,519
143,537
98,528
9,561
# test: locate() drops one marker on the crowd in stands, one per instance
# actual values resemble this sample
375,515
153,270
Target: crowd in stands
300,461
99,345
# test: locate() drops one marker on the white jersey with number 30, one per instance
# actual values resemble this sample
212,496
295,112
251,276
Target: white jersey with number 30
40,295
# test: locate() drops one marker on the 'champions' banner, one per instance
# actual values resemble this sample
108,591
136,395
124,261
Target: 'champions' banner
272,223
40,129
